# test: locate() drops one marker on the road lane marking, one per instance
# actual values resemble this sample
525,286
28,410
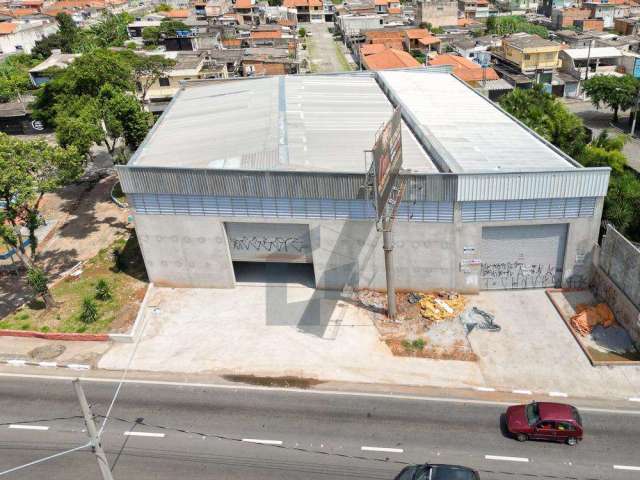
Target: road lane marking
506,459
144,434
48,364
558,394
484,389
522,392
299,391
78,366
626,467
382,449
29,427
17,363
634,399
262,442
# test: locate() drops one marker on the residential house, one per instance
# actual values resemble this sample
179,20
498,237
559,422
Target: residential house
42,73
589,24
135,29
390,38
420,39
565,17
248,10
607,10
518,5
306,10
548,6
626,26
21,36
388,59
438,13
180,14
474,9
387,6
465,69
578,64
329,10
531,54
574,39
268,61
352,26
472,47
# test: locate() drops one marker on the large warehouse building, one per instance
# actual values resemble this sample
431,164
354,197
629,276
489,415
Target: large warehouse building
273,169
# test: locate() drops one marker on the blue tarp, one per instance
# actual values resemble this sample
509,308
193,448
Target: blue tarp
12,252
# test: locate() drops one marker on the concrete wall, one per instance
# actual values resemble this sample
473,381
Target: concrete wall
439,13
193,251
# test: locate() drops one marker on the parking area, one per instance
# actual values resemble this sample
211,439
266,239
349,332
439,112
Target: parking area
277,330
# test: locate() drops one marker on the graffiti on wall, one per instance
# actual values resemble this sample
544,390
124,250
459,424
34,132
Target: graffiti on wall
519,275
270,244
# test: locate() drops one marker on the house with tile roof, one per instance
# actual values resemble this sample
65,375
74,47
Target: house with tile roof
390,58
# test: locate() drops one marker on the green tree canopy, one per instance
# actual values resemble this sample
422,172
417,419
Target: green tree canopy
65,39
514,24
147,69
28,170
163,7
111,30
544,114
14,76
617,93
168,28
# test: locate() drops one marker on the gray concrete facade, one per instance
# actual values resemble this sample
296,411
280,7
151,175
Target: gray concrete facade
195,251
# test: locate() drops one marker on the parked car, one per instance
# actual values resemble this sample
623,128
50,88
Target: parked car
556,422
436,471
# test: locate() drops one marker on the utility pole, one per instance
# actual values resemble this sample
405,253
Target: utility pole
96,447
387,246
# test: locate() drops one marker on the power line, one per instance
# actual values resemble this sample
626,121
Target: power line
50,457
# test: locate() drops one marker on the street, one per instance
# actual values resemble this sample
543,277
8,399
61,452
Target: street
197,432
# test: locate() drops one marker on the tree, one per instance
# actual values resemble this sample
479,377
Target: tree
163,7
38,281
302,32
419,56
65,39
28,170
167,28
622,203
14,76
84,77
544,114
111,30
147,69
617,93
514,24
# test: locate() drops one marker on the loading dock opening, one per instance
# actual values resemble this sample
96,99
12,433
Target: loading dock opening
275,273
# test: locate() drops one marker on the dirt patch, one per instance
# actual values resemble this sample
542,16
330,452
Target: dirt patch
47,352
286,382
428,324
120,267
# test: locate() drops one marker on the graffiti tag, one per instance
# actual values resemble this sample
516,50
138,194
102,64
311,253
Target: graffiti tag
519,275
269,244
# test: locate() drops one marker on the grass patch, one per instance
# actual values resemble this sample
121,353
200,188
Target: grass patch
344,63
126,278
118,194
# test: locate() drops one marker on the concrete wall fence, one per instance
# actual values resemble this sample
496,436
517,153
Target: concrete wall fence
616,279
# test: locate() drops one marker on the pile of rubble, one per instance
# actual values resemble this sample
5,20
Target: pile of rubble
587,317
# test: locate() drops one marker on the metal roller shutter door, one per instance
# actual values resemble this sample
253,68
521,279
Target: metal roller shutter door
530,256
269,242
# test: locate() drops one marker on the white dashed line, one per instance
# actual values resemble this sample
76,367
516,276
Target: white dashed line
144,434
382,449
484,389
522,392
626,467
77,366
29,427
48,364
262,442
506,459
634,399
17,363
558,394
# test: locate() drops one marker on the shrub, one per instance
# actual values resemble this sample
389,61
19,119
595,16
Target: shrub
89,312
406,344
103,290
44,329
37,280
302,32
25,326
418,344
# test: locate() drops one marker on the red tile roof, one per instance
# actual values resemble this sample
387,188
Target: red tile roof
390,58
243,4
371,48
414,33
7,27
395,10
177,13
264,35
428,40
464,69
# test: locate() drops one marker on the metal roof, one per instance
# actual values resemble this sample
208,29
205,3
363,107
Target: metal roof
463,130
597,52
315,123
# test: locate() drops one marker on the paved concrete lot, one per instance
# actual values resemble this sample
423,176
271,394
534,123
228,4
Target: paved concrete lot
300,332
295,330
323,53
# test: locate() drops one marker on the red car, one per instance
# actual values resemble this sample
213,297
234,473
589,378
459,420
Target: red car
555,422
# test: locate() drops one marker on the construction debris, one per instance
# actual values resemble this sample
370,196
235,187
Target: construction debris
481,319
434,308
588,316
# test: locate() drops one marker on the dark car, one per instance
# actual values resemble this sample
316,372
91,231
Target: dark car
555,422
436,471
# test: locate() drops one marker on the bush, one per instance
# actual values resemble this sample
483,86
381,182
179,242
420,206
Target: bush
103,290
418,344
37,280
44,329
406,344
302,32
89,312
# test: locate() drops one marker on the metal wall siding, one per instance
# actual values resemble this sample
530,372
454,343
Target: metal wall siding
167,204
527,209
592,182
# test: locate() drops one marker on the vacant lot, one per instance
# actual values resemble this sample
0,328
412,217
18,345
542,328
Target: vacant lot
120,266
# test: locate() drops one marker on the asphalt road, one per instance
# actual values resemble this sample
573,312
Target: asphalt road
197,433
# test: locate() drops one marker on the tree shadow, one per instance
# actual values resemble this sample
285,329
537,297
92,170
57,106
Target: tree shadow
128,259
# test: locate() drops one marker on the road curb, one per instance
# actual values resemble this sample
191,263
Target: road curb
19,362
76,337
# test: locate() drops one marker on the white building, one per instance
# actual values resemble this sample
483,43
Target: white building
21,36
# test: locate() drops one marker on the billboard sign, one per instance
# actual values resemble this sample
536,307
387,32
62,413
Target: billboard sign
387,160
